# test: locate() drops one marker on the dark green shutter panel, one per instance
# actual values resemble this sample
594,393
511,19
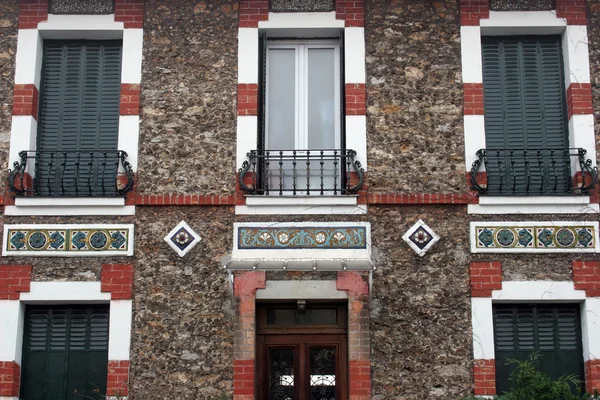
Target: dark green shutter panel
65,352
525,116
552,331
79,118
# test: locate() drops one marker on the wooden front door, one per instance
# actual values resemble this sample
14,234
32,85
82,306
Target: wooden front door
302,356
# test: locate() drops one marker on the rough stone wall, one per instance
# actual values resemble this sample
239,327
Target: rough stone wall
8,48
594,47
189,83
414,97
420,316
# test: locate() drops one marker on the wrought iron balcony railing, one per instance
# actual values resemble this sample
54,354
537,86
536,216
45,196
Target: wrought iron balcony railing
533,172
71,173
301,172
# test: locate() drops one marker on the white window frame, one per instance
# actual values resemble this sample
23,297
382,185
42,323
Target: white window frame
28,69
581,127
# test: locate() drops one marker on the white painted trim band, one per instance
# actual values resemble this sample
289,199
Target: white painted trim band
63,292
283,209
68,211
301,290
533,209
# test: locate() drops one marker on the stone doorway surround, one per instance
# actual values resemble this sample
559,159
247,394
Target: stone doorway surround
252,285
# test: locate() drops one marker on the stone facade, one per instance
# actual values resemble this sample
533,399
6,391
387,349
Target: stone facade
185,341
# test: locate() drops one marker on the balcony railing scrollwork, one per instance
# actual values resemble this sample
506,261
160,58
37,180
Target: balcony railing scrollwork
533,172
301,172
71,173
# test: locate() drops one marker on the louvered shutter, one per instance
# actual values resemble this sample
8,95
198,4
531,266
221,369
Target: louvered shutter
65,352
552,331
525,117
79,118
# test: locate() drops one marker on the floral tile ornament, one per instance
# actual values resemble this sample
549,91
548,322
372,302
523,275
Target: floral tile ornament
420,237
68,240
302,237
182,239
541,237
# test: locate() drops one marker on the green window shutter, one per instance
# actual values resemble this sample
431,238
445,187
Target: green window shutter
552,331
525,115
79,118
65,352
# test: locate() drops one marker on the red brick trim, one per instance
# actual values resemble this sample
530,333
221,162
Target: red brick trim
592,376
579,99
130,12
473,97
118,280
247,99
243,378
356,99
32,12
252,11
351,11
484,375
420,198
244,342
574,11
25,100
10,378
360,379
14,279
184,200
118,378
586,276
485,277
130,99
352,282
471,11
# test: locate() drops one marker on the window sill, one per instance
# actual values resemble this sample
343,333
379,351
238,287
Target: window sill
303,205
534,205
65,206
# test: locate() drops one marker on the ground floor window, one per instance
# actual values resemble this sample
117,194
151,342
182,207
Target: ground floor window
65,352
552,331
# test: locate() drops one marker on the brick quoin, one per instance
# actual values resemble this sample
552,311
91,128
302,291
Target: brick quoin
118,378
359,342
471,11
253,11
574,11
247,99
351,11
10,378
25,100
592,375
32,12
484,375
579,99
586,276
130,99
244,343
473,98
356,99
14,279
118,280
130,12
485,277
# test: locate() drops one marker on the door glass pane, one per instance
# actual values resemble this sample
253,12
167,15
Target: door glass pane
290,316
322,374
321,99
281,374
281,99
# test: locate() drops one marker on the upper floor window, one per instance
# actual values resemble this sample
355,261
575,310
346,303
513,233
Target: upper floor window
78,121
526,120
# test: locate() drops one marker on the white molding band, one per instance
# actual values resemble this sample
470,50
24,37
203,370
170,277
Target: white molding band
13,311
354,55
474,138
522,23
301,290
470,49
284,209
248,55
556,208
540,292
300,20
68,211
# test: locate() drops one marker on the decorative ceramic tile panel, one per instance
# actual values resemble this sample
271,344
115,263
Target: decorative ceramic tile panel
182,239
539,237
68,240
420,237
264,237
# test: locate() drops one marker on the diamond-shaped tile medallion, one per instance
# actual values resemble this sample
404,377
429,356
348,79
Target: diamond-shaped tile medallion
420,237
182,239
